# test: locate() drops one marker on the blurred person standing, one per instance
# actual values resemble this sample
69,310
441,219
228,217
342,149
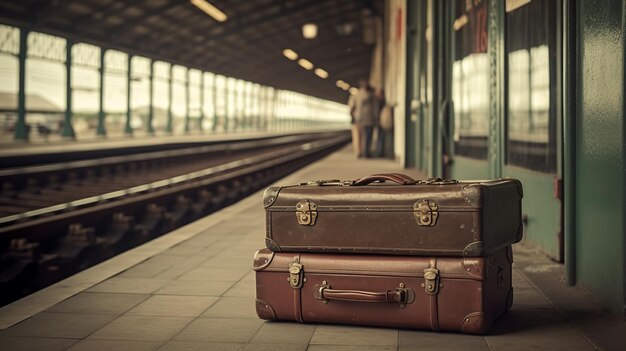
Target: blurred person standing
385,126
366,116
356,131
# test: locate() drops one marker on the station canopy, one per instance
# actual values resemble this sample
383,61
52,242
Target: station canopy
248,42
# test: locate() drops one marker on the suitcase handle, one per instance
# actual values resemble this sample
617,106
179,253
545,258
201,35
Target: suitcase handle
398,178
399,295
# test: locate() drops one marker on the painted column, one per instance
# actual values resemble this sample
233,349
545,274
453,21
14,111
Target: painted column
21,132
101,128
187,101
495,51
151,100
68,129
128,130
170,117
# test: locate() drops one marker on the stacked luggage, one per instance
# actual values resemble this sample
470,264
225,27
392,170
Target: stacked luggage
387,250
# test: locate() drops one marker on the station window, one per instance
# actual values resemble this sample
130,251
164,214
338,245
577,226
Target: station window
531,85
470,79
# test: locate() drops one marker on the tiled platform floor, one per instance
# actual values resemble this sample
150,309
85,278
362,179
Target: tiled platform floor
194,290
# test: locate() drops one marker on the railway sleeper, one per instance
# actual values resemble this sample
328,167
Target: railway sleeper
202,203
79,249
118,236
151,220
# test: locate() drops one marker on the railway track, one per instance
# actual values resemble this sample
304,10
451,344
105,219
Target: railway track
83,212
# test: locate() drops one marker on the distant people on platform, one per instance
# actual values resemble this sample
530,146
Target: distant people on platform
365,111
356,132
384,135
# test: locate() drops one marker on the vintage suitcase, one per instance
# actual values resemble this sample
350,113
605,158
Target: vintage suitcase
440,293
434,217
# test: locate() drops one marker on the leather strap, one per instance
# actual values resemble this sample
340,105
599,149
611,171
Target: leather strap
297,300
398,178
434,306
389,296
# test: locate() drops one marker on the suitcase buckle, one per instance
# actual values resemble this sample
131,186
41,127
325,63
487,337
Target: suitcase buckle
306,212
426,212
431,281
295,274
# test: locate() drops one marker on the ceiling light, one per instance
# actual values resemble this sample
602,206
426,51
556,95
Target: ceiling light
306,64
321,73
354,90
309,30
210,10
460,22
346,87
340,83
290,54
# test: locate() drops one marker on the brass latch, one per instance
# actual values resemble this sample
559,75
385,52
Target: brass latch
306,212
431,281
295,274
426,212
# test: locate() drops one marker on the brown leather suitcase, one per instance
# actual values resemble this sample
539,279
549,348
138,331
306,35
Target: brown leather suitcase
434,217
438,293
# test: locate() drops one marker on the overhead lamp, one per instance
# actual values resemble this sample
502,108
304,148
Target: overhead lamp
346,87
321,73
290,54
353,90
460,22
210,10
306,64
340,83
309,30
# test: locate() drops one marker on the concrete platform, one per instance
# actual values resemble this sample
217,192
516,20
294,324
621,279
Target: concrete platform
193,289
19,148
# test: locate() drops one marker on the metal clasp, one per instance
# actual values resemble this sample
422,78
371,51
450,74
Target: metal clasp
306,212
295,274
431,281
426,212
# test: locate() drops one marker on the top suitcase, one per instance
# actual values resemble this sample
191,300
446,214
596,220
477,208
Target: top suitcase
432,217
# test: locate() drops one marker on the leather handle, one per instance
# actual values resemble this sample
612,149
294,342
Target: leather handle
400,295
398,178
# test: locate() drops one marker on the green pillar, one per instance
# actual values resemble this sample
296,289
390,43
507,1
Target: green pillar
170,117
68,129
151,100
101,129
187,101
128,130
495,51
21,132
201,119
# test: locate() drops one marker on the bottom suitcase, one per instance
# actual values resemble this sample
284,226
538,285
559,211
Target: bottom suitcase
438,293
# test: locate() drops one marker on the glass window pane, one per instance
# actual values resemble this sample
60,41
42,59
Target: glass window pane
531,115
470,79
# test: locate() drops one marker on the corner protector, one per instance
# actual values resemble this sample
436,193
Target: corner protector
272,245
475,249
264,310
475,323
262,259
270,195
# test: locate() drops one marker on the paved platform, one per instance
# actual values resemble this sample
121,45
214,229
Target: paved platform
19,148
193,289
